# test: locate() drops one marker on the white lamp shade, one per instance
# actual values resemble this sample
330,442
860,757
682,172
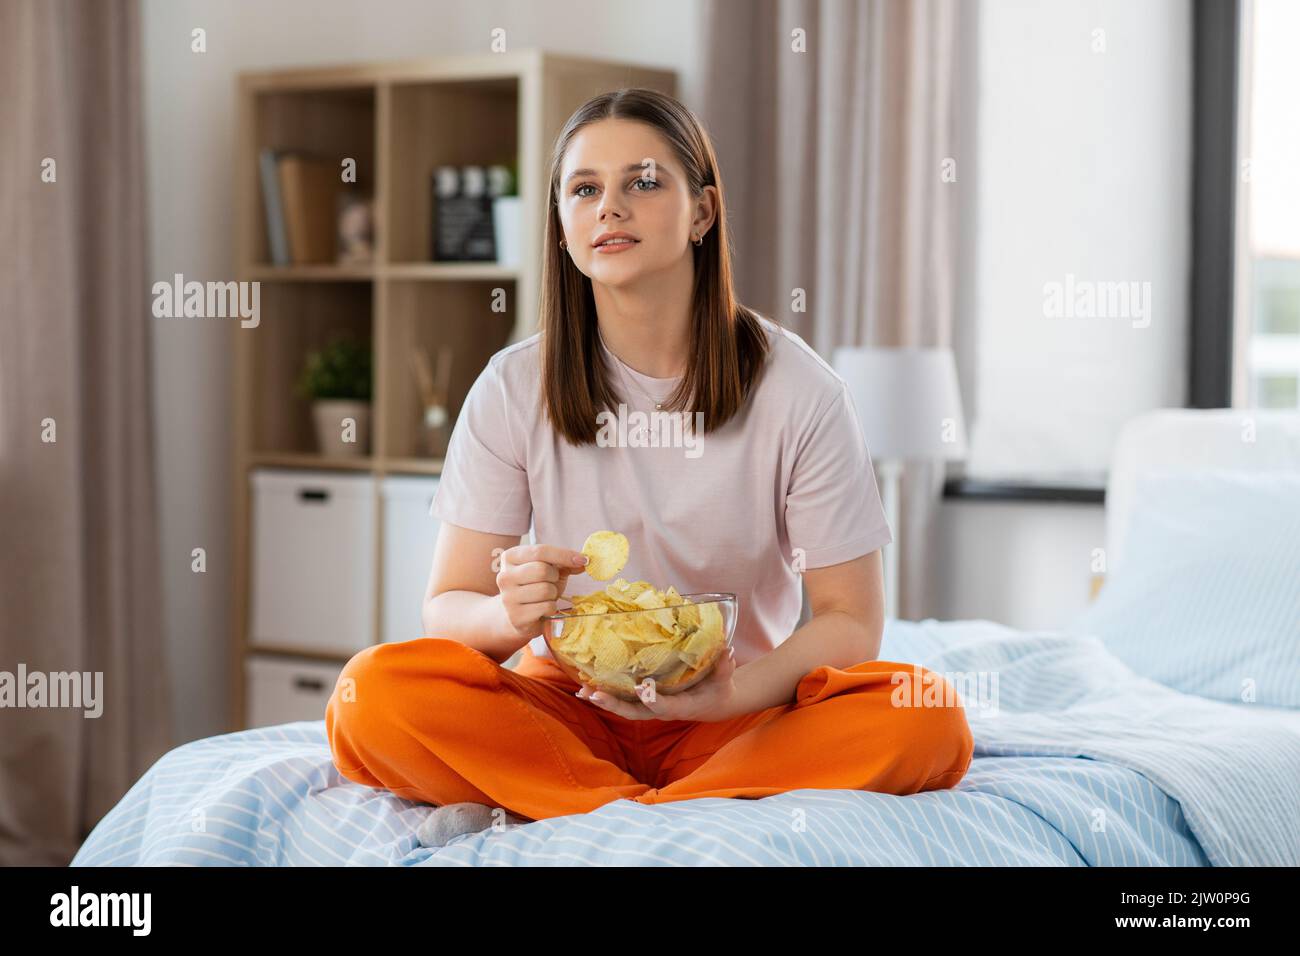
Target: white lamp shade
907,400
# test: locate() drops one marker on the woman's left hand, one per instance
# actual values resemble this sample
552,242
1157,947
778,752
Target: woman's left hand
711,699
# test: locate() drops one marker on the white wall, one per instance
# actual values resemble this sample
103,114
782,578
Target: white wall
190,129
1023,564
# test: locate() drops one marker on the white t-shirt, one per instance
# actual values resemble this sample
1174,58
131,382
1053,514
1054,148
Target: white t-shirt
785,485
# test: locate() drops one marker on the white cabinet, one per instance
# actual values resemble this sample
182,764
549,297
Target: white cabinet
409,536
282,690
313,572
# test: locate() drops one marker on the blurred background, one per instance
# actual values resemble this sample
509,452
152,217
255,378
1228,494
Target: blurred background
255,253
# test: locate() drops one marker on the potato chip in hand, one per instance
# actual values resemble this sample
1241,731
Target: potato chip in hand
606,553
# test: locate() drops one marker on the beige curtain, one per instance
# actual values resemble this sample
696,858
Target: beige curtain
832,163
79,575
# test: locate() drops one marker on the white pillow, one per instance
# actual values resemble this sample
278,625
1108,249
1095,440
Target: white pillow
1207,599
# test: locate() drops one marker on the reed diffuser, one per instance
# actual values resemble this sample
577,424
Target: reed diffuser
435,405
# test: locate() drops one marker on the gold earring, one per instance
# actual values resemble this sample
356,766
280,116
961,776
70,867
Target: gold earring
564,243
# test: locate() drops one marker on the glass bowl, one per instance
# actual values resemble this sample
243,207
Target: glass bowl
614,651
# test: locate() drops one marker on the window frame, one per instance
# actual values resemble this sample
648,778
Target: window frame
1216,226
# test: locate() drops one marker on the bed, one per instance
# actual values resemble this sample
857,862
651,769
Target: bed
1079,760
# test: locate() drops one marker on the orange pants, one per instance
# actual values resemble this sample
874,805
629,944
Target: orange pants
437,721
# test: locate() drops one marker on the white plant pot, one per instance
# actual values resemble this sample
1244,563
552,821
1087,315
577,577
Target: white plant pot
507,213
330,416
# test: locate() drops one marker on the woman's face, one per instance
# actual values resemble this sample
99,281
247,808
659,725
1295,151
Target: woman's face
621,176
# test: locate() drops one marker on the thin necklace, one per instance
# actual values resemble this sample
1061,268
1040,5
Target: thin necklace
623,375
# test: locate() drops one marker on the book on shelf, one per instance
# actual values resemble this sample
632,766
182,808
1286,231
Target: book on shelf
309,191
276,240
301,195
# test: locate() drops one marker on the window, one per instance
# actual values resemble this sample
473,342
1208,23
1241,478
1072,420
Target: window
1266,369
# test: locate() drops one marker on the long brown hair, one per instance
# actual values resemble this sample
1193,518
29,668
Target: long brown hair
727,344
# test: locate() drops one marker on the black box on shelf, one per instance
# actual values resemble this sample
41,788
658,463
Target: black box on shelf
462,215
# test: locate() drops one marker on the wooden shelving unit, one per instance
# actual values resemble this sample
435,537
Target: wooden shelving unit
398,121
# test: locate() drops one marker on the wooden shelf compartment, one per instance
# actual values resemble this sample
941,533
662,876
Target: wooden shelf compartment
297,318
327,124
430,315
436,123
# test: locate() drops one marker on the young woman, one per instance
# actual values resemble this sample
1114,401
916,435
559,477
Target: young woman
638,310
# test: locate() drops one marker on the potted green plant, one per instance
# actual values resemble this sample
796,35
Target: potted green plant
336,379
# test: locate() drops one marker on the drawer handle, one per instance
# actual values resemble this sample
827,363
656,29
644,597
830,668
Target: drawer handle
313,494
308,683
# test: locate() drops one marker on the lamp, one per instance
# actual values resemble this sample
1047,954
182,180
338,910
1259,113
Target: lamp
909,405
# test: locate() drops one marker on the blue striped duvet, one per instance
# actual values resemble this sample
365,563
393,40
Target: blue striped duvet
1080,763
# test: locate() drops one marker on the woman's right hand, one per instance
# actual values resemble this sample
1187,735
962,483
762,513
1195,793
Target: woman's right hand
531,580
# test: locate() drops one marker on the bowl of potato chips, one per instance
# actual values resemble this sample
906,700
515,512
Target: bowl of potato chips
614,639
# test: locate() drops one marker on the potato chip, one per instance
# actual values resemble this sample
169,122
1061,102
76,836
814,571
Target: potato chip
697,648
649,599
666,619
620,682
624,594
710,618
611,653
646,630
576,641
606,553
673,672
656,657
